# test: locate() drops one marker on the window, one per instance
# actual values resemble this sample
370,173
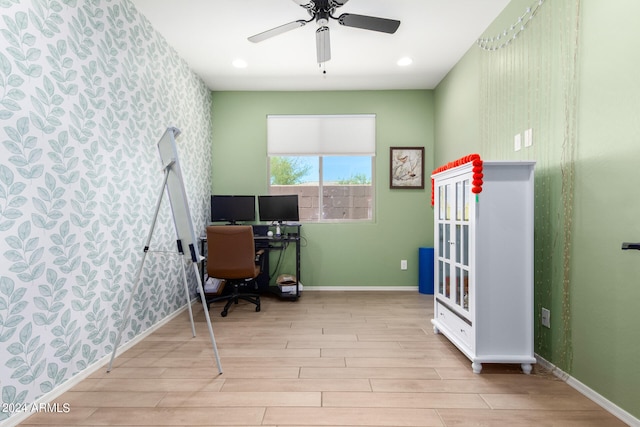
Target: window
328,161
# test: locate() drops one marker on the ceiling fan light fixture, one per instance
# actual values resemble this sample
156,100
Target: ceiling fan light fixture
323,45
404,61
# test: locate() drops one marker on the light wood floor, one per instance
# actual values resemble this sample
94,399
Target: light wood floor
329,359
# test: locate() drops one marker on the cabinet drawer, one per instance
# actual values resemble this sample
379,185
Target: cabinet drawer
455,325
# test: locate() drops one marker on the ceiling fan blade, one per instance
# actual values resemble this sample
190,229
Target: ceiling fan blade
323,45
369,23
277,30
307,4
337,3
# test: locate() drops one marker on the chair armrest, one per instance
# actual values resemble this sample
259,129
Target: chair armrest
260,259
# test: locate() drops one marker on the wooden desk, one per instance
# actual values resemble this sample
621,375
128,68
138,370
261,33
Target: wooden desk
291,235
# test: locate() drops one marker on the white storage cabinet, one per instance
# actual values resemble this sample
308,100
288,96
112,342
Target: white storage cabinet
483,296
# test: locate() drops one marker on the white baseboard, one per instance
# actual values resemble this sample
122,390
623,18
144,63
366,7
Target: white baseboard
361,288
99,364
606,404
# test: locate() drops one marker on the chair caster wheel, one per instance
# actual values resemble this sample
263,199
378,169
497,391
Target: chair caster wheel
224,313
257,308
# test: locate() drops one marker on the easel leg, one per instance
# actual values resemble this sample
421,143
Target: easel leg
186,294
206,315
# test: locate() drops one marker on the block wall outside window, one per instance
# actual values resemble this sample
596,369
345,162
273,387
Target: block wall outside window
340,202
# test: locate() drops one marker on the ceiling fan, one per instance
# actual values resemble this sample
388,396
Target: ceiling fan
323,10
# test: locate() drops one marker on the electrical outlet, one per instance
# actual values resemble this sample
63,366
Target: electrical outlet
403,264
546,317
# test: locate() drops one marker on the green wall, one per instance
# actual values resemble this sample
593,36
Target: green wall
361,254
457,119
606,335
585,122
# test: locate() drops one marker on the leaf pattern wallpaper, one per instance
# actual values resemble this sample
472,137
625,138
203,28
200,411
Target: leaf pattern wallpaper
87,88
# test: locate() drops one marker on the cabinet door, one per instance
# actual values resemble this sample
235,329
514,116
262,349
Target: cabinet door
461,242
443,231
453,228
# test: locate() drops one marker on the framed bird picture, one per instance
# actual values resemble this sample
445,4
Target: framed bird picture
407,167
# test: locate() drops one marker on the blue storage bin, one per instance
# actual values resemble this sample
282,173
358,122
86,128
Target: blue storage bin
425,270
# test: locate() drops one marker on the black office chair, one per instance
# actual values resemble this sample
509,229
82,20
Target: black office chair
232,256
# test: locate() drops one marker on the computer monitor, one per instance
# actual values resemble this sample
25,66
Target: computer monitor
233,208
278,208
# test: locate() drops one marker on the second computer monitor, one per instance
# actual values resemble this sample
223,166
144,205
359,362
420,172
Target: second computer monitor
278,208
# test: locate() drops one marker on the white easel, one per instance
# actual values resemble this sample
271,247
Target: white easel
174,186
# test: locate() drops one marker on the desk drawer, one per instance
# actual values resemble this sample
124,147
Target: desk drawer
455,325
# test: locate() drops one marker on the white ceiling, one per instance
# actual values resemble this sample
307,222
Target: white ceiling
211,34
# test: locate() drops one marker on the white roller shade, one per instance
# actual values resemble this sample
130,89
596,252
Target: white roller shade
324,135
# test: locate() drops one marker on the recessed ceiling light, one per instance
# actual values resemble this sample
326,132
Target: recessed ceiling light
406,61
239,63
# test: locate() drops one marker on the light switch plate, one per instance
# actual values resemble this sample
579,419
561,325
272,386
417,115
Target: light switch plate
517,142
528,137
